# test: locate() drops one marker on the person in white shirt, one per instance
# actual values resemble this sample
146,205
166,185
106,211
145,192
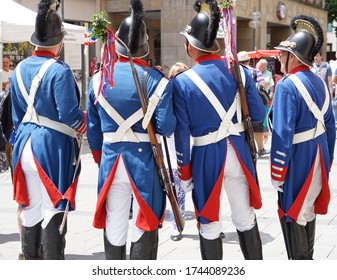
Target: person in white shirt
323,70
6,72
262,65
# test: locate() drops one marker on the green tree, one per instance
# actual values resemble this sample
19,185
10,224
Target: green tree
332,12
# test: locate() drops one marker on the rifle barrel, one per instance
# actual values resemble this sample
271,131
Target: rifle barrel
158,156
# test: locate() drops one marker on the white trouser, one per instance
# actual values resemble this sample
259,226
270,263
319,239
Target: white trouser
40,206
307,213
118,204
237,190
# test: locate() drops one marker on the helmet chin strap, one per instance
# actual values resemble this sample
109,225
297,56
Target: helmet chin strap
57,55
287,62
187,43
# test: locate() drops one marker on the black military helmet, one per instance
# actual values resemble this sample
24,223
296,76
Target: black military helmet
202,30
132,31
49,30
307,40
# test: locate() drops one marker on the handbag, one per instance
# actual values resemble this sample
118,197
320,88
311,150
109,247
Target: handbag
263,94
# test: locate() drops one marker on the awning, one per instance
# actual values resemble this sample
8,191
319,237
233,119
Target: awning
264,53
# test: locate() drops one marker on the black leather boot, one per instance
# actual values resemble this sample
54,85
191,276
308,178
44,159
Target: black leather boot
31,242
250,243
310,229
210,249
113,252
146,247
53,242
298,241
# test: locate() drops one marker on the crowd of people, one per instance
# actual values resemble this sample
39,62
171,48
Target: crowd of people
206,127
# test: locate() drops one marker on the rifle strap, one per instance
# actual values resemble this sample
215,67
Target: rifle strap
146,72
153,100
240,78
168,161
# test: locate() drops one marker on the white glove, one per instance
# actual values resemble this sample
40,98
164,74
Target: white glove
187,185
277,185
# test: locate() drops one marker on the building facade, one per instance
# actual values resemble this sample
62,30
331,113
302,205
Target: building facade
165,20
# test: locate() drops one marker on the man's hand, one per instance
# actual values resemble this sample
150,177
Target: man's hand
187,185
278,185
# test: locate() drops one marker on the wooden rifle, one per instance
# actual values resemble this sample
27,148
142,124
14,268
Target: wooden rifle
247,121
80,140
168,160
157,153
78,160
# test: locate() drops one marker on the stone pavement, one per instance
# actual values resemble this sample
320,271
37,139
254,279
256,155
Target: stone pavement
85,242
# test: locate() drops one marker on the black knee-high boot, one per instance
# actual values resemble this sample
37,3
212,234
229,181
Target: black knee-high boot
113,252
31,242
53,242
310,229
146,247
210,249
297,241
250,243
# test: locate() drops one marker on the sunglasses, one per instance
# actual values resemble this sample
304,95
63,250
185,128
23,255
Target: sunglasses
11,65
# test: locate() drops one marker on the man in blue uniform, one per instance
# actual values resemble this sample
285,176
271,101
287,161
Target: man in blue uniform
208,108
303,139
120,144
46,118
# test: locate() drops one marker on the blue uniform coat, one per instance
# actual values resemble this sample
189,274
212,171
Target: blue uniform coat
137,157
197,117
290,114
58,99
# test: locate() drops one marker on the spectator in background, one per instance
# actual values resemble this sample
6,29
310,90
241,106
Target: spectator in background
93,66
6,124
4,163
323,70
257,126
334,95
176,235
177,68
262,65
333,64
11,66
6,72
